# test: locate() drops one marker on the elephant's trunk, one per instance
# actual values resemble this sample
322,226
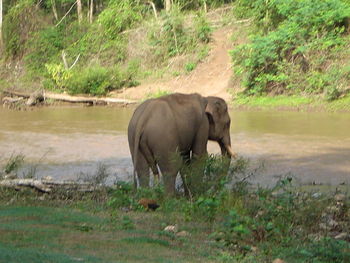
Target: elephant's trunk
227,150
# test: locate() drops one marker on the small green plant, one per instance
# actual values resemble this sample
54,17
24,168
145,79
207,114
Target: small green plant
202,27
98,178
127,223
122,195
157,94
59,75
14,163
190,66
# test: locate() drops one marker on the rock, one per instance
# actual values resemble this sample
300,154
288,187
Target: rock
341,236
316,195
254,249
125,209
333,209
183,234
332,223
47,178
278,260
171,228
339,197
323,226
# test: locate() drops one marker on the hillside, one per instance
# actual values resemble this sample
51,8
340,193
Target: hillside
137,49
212,77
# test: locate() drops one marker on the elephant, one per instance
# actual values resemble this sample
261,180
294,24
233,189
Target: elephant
178,124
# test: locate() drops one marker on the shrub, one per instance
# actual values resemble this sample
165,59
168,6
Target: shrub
18,23
290,34
119,16
94,80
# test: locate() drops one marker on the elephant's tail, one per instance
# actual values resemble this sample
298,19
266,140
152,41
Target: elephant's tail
138,133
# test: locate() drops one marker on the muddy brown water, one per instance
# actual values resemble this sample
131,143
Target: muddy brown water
68,142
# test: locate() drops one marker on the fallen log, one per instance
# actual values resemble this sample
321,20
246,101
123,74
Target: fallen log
46,186
7,100
72,99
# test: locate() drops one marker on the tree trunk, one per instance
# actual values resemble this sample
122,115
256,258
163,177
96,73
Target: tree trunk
0,25
79,10
154,8
54,9
167,5
91,13
73,99
46,186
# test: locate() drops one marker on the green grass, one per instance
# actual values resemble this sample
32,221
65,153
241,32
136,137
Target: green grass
224,222
53,234
291,103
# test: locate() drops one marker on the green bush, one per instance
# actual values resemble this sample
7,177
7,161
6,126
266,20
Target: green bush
18,23
170,37
290,34
94,80
48,41
119,16
202,28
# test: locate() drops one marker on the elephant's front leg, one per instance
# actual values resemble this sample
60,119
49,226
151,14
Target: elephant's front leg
169,166
186,160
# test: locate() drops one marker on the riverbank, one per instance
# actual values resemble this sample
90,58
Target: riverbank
291,103
225,225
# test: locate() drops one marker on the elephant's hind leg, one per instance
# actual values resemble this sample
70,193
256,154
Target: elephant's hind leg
142,170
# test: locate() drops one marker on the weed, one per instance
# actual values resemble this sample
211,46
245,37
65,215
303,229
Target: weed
157,94
14,163
98,178
190,66
127,223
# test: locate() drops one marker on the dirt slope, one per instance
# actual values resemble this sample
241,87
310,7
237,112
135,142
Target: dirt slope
210,78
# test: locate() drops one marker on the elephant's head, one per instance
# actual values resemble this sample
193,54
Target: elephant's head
219,124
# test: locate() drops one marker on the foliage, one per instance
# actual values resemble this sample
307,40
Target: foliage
293,39
203,28
59,75
91,80
14,163
18,23
245,224
95,80
119,16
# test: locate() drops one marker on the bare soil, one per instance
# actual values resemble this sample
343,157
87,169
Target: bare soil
212,77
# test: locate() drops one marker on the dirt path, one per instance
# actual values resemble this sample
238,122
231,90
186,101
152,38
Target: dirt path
210,78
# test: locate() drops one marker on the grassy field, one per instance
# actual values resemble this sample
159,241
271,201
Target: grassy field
47,232
221,221
294,103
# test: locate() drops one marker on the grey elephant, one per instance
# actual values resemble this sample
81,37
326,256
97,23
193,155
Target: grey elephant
176,125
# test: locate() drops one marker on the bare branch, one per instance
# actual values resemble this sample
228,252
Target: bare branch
70,9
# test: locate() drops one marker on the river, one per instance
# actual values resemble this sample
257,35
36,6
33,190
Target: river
68,142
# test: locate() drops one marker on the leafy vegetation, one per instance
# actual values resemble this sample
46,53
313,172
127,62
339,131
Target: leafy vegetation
224,220
297,47
113,46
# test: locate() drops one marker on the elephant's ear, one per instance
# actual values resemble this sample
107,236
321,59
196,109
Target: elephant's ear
204,103
211,111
